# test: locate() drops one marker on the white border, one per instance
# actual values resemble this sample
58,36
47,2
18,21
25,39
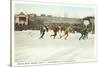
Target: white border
56,4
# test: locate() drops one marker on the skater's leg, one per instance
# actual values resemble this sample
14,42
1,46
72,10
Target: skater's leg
52,35
62,36
55,34
66,36
86,36
42,34
81,36
66,33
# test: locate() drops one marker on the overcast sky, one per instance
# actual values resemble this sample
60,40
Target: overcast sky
67,11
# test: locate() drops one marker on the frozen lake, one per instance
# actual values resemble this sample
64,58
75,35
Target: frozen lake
30,49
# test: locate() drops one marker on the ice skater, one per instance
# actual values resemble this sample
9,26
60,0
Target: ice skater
66,32
84,33
55,30
43,29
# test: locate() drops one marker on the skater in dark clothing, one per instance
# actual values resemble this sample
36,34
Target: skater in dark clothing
42,31
83,31
84,34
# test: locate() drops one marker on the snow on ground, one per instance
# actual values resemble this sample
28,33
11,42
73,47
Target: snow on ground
30,49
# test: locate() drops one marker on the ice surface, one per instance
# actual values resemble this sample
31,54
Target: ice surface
30,49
